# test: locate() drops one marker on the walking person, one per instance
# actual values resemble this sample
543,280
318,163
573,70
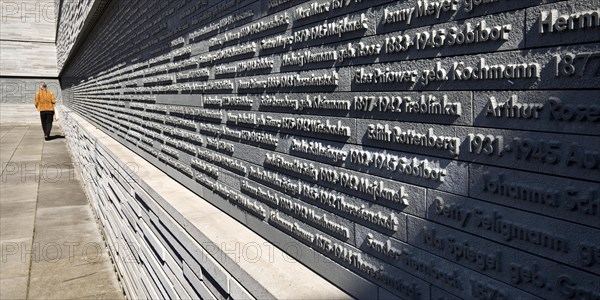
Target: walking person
44,102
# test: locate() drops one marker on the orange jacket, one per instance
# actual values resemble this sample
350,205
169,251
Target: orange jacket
44,100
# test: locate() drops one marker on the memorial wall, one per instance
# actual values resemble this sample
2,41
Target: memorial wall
425,149
71,21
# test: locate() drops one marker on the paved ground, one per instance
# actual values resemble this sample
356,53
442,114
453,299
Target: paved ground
51,247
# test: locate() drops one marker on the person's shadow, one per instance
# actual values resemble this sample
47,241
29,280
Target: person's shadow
54,137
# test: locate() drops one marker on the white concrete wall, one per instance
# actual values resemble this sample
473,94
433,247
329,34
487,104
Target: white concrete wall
27,38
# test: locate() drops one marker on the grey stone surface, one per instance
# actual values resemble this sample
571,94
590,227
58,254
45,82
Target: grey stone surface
50,243
460,10
14,288
542,236
537,60
566,155
544,27
198,285
503,263
574,112
439,271
561,198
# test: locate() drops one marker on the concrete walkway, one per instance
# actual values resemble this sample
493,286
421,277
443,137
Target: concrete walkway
51,247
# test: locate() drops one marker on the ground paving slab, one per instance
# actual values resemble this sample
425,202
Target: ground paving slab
51,246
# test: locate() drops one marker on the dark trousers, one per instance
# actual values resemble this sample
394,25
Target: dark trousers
47,117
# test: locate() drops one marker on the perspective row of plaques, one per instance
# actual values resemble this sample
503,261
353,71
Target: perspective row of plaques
436,149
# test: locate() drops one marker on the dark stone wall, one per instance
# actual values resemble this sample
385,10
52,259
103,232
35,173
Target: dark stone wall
415,149
73,16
